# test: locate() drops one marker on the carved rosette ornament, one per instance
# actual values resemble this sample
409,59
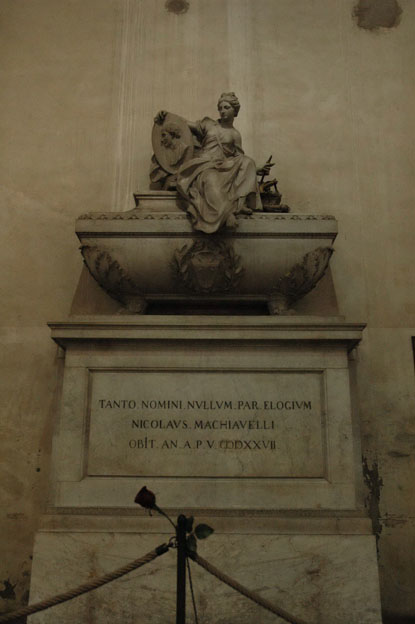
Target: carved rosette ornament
113,279
207,266
299,281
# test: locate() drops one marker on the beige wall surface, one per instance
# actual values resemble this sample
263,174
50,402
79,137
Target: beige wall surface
80,82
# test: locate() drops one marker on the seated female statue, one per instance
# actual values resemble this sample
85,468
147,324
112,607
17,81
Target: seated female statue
220,181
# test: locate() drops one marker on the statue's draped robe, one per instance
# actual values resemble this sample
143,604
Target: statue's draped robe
217,181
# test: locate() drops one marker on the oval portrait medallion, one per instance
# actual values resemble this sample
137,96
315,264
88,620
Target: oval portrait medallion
172,142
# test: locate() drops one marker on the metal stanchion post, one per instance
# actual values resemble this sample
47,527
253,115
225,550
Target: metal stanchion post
181,570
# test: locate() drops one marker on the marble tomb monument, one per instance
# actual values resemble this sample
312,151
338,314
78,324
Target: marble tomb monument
206,358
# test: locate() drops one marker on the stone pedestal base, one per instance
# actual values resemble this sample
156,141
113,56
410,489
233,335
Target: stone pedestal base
321,569
245,423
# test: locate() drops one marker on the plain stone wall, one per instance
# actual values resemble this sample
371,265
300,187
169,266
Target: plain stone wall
80,83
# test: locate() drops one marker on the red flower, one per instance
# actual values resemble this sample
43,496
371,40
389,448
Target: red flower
145,498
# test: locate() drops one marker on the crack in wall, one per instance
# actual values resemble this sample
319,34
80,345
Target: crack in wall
374,483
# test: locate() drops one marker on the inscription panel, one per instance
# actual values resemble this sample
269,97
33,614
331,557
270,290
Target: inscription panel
226,424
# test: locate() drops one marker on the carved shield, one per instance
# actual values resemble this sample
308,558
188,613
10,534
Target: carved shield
172,142
208,266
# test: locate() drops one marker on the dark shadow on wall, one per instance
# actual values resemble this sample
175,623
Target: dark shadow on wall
375,14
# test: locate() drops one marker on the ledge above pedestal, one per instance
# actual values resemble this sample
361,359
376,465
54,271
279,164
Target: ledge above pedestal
201,328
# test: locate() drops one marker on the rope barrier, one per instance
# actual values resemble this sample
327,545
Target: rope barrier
86,587
244,590
138,563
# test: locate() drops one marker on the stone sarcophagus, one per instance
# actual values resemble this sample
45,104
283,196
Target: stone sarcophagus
151,254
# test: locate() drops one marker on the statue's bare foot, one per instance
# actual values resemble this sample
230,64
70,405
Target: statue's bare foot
245,210
231,221
250,204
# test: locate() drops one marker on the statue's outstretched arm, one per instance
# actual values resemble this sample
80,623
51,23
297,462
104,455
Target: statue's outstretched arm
193,126
161,116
